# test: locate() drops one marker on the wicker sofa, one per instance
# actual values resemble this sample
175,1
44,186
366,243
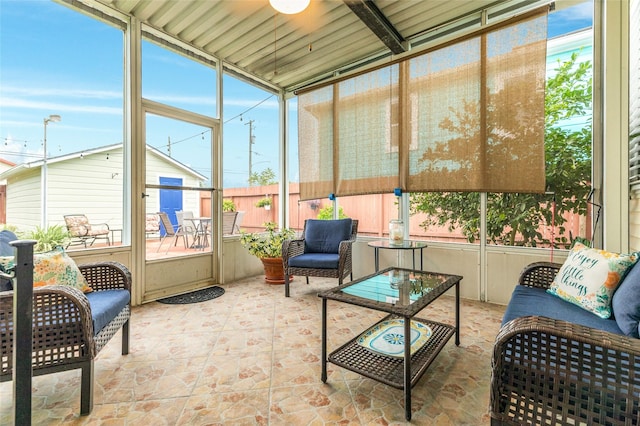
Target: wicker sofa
555,363
69,327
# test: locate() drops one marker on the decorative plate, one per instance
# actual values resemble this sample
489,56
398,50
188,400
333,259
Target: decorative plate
387,337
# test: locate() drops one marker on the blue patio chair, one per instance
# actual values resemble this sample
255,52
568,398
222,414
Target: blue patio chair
324,250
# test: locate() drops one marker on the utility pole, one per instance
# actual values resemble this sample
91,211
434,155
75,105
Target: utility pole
169,145
251,142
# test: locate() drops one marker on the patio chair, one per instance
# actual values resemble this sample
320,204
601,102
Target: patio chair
83,232
324,250
228,222
152,225
236,226
171,231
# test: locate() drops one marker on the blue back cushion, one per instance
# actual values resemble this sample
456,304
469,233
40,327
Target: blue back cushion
6,249
626,303
324,236
6,237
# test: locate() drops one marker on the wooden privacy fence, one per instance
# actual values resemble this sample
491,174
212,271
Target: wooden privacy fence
373,212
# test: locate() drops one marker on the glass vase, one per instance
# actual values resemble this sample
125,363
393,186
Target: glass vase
396,232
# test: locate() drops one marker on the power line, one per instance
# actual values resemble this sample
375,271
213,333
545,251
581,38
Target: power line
6,139
249,109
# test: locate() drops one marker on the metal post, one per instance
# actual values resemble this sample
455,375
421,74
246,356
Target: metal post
22,331
323,373
43,213
251,142
43,219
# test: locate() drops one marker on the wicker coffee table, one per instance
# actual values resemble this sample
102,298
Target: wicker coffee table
402,293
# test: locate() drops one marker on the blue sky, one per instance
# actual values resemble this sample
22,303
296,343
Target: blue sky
42,74
56,61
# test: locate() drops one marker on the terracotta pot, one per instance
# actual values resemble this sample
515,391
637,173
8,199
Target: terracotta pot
273,270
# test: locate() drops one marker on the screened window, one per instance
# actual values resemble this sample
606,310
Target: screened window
62,119
177,77
473,121
564,211
251,155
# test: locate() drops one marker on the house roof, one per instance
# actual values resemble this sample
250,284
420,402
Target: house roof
330,37
7,162
103,149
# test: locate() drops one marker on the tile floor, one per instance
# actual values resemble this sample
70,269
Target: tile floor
252,357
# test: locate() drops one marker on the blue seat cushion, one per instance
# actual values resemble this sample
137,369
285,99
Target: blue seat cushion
315,261
324,236
527,301
105,306
626,303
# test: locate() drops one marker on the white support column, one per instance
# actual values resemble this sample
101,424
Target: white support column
217,152
283,187
134,163
611,58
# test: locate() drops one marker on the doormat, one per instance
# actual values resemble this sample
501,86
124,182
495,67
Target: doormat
194,297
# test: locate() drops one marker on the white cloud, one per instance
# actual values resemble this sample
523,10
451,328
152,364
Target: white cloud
191,100
248,103
7,102
578,12
60,92
17,151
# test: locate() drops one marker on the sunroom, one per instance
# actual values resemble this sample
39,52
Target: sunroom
285,58
296,125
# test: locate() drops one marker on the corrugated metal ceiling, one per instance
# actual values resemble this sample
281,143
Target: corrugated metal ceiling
289,50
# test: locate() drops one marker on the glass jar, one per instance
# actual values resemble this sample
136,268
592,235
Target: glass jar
396,232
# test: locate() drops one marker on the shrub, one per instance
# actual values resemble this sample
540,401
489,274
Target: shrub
326,213
50,238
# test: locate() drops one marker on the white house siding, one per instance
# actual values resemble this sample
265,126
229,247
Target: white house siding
23,199
91,184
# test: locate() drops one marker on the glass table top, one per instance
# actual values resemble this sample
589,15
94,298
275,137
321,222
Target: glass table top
406,244
396,286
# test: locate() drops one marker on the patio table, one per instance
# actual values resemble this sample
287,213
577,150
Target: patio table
405,245
402,293
201,227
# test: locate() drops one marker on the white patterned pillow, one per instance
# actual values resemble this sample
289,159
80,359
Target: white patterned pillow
56,267
589,277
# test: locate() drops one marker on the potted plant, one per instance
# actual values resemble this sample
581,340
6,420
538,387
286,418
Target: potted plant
267,246
228,206
264,202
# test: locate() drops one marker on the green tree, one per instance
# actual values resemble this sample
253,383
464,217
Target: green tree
265,177
326,213
514,219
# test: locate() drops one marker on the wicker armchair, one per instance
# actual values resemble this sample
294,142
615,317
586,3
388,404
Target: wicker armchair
313,255
549,371
63,335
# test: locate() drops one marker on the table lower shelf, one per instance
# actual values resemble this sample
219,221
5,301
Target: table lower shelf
387,369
